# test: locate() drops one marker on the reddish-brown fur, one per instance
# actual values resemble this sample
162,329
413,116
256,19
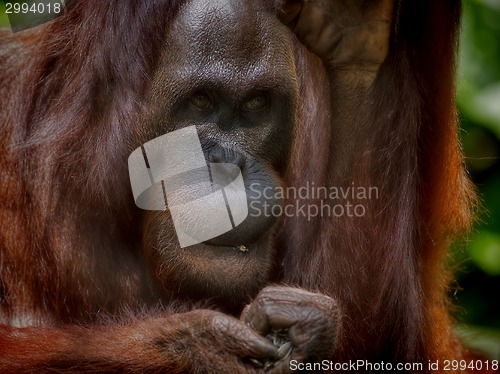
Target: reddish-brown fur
386,269
389,268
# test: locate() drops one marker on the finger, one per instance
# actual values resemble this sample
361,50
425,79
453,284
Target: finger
245,341
273,308
244,313
316,30
289,11
257,319
297,296
264,318
289,295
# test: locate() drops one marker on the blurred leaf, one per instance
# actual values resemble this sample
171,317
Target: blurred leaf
484,107
484,250
4,20
481,340
479,68
494,4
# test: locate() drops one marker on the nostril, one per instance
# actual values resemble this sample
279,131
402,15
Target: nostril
239,159
216,155
226,155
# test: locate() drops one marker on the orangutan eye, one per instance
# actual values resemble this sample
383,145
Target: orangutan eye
256,102
201,100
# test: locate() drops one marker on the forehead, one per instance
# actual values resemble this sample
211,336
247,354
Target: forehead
242,35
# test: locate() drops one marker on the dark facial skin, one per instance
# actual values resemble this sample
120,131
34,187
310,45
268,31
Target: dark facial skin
233,78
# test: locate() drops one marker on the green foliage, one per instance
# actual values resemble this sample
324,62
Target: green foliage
4,20
479,68
484,250
479,104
